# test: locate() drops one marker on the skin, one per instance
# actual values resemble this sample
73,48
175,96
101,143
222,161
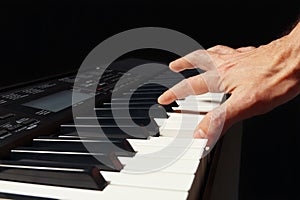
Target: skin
257,79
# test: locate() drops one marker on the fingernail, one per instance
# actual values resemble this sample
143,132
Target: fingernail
171,64
200,134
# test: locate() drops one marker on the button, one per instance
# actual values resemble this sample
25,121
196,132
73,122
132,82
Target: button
4,134
2,101
2,117
14,127
30,121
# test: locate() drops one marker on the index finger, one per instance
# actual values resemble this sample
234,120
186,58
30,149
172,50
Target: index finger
190,86
201,59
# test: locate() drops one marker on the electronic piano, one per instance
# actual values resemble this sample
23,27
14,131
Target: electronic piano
42,156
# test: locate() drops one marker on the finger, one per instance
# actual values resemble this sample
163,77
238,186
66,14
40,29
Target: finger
212,81
211,127
202,59
220,49
245,49
180,64
215,123
191,86
197,59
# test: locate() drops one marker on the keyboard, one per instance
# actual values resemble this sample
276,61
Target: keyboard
143,151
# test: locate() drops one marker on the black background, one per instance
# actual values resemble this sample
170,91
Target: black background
42,38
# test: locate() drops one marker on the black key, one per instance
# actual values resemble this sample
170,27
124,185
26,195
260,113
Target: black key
161,90
143,95
121,143
138,101
8,196
6,116
140,121
72,145
106,162
146,122
158,112
142,105
52,174
152,86
126,98
108,131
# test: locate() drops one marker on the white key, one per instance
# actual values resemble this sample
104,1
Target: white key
201,107
166,141
216,97
179,125
182,133
110,192
138,163
156,180
169,152
149,157
160,121
182,118
179,117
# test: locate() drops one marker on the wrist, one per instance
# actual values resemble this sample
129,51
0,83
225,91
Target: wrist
292,41
293,38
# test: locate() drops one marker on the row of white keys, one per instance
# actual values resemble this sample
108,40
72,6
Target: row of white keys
172,180
176,149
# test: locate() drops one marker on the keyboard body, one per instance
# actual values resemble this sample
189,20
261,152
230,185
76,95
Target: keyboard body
43,156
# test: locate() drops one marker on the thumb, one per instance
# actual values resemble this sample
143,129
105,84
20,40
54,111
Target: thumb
213,125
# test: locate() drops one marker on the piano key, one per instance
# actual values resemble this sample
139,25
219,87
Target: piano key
121,143
209,96
107,131
156,180
169,152
95,146
140,121
138,163
100,160
158,112
197,107
142,95
149,89
160,121
182,133
166,141
179,126
109,192
52,174
7,196
122,98
138,101
180,116
149,123
140,105
152,86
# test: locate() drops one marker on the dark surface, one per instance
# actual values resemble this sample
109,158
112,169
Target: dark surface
42,38
270,154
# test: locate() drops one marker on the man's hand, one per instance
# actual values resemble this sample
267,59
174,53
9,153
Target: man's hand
258,79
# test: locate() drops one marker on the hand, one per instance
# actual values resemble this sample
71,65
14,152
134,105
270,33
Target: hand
258,79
